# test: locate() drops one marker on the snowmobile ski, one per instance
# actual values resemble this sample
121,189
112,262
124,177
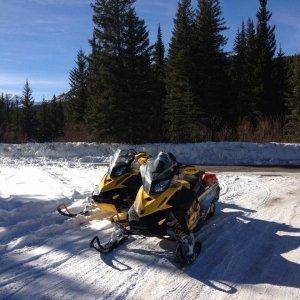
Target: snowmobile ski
117,238
181,256
64,211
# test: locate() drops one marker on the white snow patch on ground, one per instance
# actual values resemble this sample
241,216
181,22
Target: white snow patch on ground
225,153
250,248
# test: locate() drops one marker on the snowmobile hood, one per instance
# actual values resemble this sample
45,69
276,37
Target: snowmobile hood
146,204
107,183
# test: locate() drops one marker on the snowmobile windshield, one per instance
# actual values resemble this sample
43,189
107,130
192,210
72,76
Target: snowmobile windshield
120,162
158,173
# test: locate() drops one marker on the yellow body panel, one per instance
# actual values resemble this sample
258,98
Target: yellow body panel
142,158
108,184
193,215
107,207
146,205
184,183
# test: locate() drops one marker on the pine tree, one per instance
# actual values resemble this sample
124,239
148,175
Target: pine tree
281,87
6,112
138,79
238,74
78,92
159,86
292,126
28,123
2,110
44,121
159,56
60,118
16,118
121,73
211,76
54,117
264,67
57,117
107,108
181,113
251,56
240,45
2,116
94,87
251,42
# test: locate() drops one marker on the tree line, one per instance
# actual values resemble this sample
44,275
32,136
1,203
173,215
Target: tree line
21,120
127,90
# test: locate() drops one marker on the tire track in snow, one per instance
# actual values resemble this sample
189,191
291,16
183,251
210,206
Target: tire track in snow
216,223
224,188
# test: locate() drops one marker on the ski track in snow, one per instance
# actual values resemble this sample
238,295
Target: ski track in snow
250,248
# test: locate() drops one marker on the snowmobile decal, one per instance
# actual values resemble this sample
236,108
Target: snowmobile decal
193,214
108,184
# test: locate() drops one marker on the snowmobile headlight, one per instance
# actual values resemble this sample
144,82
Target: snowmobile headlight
119,171
161,186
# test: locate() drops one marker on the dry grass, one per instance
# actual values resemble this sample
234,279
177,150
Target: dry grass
265,130
261,131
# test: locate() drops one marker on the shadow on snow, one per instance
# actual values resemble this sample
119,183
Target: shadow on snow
237,250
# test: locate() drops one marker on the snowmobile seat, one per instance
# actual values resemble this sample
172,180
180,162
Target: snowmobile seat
195,183
191,179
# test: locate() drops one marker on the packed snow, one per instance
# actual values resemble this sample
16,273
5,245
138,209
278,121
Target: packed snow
225,153
250,248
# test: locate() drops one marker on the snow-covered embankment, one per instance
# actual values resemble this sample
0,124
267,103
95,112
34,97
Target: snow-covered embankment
224,153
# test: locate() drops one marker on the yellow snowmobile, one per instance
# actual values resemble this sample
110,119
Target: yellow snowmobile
173,201
117,189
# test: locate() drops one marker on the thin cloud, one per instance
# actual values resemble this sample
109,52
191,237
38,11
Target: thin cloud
10,79
56,2
287,18
165,8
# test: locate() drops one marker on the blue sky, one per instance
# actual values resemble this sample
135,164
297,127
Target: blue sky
39,38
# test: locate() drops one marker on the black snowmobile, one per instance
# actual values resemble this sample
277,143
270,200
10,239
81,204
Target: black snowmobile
174,201
116,191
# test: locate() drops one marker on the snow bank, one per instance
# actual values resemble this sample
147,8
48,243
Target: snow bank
210,153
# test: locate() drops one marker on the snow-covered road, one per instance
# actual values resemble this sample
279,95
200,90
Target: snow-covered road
250,248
